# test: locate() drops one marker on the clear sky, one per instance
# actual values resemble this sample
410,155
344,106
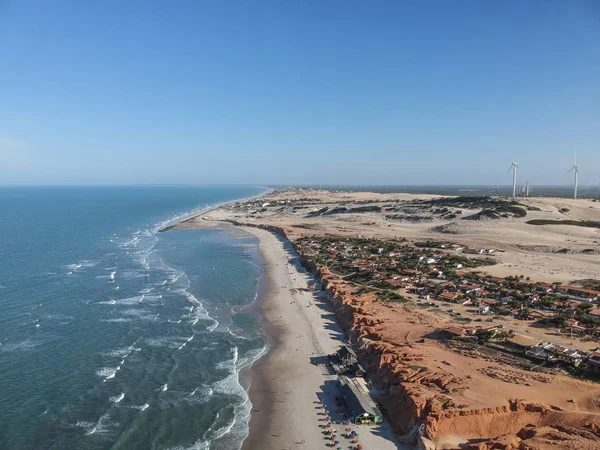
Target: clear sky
298,91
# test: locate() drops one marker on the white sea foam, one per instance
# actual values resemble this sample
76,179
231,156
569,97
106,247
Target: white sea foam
117,320
164,387
81,265
144,406
100,427
186,341
236,335
213,326
198,312
123,301
117,398
25,345
59,317
87,426
229,363
165,341
139,313
108,372
118,353
133,275
198,445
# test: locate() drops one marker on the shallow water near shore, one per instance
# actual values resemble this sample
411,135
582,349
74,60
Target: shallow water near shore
113,335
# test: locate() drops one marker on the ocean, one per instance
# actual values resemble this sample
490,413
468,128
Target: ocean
113,335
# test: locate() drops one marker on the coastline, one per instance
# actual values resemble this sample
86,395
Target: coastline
180,223
285,388
292,376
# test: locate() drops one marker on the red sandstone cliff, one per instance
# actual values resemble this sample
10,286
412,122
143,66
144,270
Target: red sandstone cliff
420,394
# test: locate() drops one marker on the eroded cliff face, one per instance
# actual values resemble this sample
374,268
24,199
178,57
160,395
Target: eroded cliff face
420,395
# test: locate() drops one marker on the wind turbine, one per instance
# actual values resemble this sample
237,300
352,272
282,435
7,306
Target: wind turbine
514,167
576,169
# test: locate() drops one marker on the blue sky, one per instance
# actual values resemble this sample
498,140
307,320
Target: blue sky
298,91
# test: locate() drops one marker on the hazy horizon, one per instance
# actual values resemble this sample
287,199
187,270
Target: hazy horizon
289,93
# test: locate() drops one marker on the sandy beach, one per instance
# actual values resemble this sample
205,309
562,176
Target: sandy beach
462,393
290,380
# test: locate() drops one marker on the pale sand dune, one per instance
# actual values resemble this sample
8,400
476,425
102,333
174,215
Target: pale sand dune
523,249
512,236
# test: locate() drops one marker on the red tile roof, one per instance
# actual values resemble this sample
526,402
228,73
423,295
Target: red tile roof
448,295
567,287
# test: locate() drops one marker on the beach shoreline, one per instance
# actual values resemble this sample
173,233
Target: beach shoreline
293,376
288,382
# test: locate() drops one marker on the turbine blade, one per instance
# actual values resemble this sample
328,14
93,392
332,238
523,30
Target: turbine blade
509,169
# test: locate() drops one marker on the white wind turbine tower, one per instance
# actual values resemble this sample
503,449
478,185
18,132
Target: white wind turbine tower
514,167
576,169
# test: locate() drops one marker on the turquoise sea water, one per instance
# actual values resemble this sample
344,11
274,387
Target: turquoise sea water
115,336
